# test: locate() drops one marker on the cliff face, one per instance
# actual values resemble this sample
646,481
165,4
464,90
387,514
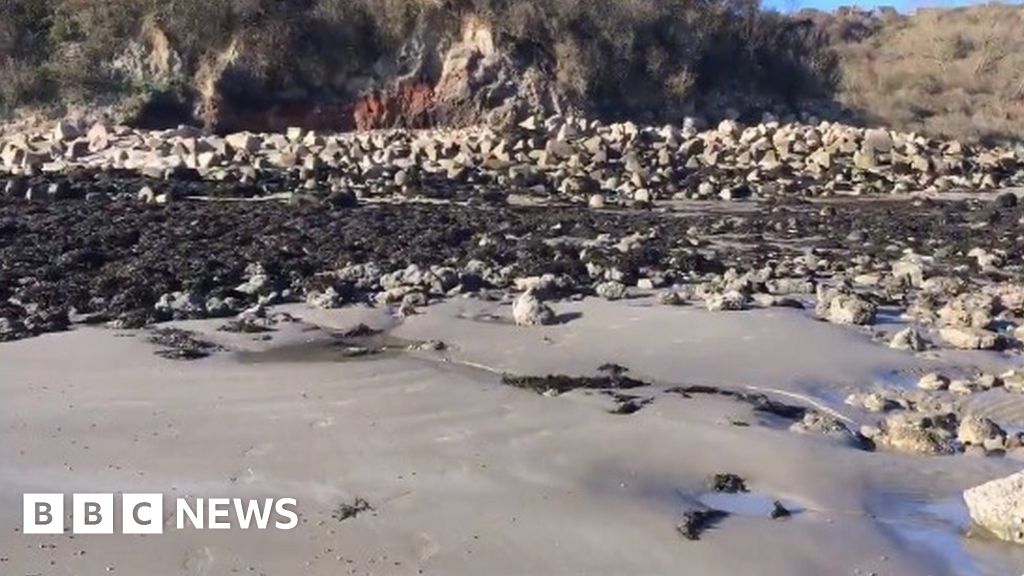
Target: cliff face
261,64
438,80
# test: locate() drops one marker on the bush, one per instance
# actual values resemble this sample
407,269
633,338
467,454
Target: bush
952,73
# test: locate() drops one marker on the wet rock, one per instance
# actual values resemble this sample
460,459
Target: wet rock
910,269
779,511
933,382
11,329
728,483
326,299
611,290
784,286
180,344
909,339
695,522
876,402
429,346
671,298
918,433
962,387
980,431
1013,381
998,507
259,282
557,384
180,306
528,310
815,422
974,310
969,338
728,301
841,307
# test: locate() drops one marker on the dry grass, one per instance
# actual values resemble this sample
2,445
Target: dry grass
955,73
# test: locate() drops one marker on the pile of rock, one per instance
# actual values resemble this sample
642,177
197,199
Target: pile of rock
572,158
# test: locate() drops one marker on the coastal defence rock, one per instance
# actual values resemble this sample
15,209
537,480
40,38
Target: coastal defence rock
998,507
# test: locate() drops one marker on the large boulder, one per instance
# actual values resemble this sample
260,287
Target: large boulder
998,507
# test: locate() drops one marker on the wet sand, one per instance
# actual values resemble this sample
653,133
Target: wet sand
466,475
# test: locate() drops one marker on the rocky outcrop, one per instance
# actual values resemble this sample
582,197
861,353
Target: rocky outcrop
437,82
406,105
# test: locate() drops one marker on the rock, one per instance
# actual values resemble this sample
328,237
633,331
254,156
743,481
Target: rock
878,403
974,310
779,511
1006,200
259,281
16,187
998,507
65,131
878,140
1013,381
146,195
986,382
342,199
933,382
844,308
729,301
910,269
611,290
326,299
969,338
919,434
980,431
244,142
596,201
528,310
962,387
181,306
217,307
98,137
727,483
671,298
908,339
815,422
790,286
11,329
742,192
696,522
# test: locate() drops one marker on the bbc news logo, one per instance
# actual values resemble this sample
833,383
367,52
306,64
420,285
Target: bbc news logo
144,513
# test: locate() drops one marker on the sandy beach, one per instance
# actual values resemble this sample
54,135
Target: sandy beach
466,475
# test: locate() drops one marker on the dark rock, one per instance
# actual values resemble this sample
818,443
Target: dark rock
695,522
728,483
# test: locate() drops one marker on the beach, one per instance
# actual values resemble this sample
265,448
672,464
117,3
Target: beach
463,474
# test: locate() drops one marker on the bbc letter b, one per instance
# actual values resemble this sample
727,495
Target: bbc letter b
42,514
